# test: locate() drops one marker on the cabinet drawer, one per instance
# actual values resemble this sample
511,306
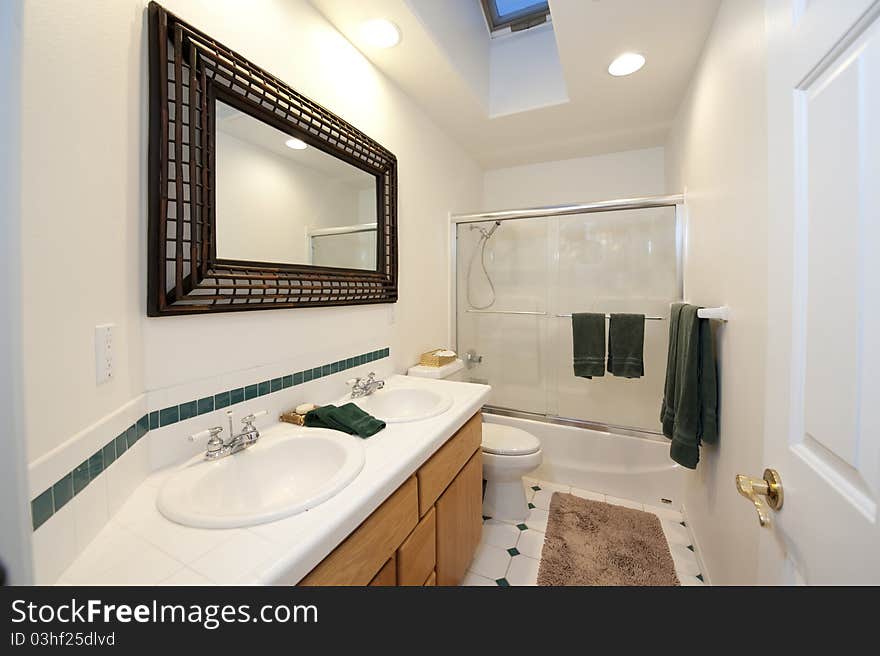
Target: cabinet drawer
357,560
417,555
436,474
387,576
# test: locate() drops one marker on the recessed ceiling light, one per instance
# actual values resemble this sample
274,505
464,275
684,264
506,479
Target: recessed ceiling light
380,33
627,64
296,144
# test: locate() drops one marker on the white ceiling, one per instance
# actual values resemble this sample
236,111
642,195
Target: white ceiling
444,62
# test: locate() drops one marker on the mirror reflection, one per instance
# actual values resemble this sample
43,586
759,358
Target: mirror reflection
280,200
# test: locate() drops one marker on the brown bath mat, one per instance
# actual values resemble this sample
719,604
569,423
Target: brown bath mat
596,543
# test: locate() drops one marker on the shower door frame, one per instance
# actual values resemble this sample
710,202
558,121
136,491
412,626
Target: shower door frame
676,201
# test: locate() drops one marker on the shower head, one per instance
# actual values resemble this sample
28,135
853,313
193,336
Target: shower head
487,234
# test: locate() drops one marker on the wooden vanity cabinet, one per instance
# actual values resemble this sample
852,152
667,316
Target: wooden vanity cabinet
426,532
459,522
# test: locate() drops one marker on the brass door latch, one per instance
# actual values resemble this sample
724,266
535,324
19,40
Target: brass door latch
764,493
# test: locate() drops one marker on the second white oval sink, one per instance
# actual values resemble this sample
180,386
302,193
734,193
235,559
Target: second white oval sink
402,404
288,471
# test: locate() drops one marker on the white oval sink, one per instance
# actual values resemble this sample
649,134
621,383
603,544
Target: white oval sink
288,471
402,404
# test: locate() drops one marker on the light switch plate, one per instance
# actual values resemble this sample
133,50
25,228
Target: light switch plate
104,352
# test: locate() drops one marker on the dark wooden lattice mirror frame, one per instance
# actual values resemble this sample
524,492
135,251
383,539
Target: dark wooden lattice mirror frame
189,71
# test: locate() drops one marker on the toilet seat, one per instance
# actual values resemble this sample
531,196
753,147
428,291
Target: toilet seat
508,441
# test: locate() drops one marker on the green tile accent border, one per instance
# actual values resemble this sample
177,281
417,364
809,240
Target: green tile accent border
51,500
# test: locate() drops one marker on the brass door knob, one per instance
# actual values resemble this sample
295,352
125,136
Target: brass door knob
764,493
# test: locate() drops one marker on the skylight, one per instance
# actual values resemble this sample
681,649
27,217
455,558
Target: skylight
515,14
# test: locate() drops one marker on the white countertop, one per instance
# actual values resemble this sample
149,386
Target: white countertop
139,546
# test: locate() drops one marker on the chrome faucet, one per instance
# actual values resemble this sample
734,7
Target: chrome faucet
365,386
216,448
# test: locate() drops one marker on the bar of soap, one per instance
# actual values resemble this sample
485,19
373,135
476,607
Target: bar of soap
304,408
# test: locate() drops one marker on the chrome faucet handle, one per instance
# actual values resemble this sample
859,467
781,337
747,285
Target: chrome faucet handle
212,433
250,432
251,418
215,443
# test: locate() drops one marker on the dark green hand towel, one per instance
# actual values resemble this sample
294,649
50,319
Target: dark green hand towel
696,392
667,408
346,418
626,345
588,340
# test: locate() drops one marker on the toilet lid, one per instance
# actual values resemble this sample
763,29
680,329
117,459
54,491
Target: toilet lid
508,441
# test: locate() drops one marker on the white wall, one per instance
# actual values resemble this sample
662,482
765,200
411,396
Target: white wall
525,72
585,179
718,152
84,109
84,206
463,35
14,516
435,176
83,182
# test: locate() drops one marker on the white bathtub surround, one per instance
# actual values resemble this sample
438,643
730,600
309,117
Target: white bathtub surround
140,546
635,468
510,552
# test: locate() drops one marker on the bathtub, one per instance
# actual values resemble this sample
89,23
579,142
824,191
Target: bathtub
636,468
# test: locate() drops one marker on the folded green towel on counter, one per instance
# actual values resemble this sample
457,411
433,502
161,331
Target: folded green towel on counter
588,342
346,418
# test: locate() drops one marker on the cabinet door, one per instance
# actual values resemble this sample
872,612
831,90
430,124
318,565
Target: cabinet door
436,474
416,556
363,553
387,576
459,522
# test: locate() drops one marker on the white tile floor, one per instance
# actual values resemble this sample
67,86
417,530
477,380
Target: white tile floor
510,552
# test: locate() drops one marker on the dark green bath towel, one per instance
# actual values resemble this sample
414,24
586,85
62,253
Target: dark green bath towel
588,340
626,345
695,414
667,408
347,418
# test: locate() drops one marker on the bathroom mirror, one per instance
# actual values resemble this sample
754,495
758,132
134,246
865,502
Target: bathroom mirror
280,200
259,197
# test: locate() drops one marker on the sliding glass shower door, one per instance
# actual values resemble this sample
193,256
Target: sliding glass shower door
503,284
513,327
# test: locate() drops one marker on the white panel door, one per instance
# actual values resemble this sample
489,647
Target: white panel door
823,375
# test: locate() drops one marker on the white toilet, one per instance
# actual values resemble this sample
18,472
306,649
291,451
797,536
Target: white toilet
508,454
